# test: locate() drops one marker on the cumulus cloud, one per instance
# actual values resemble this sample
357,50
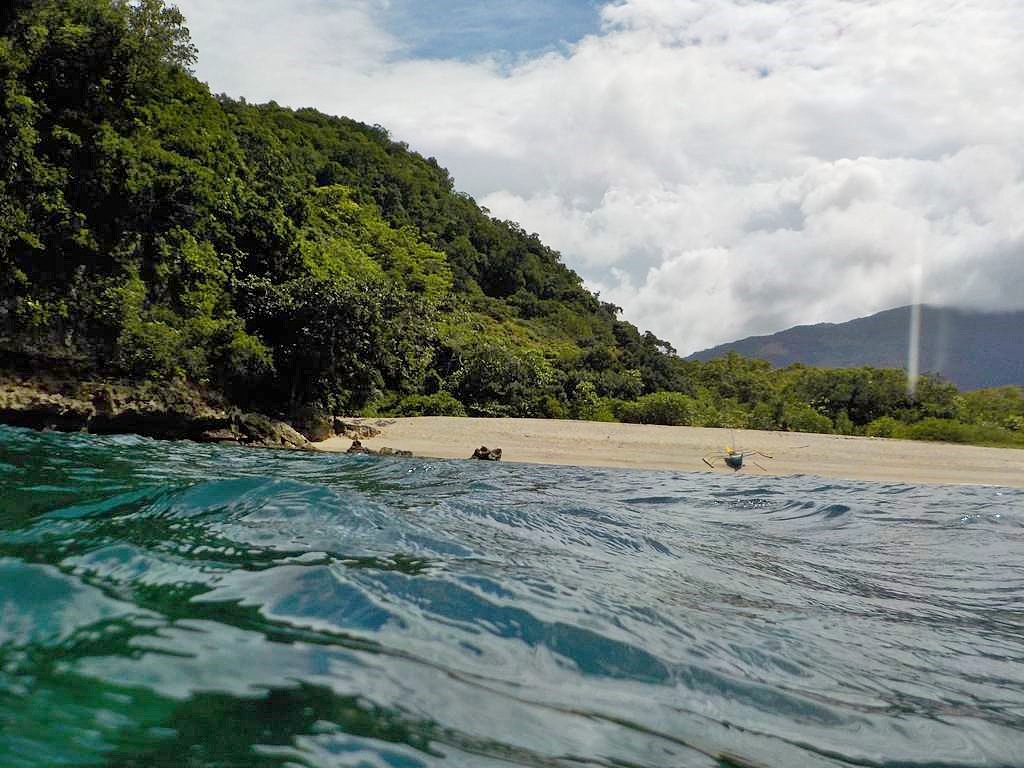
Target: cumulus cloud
718,168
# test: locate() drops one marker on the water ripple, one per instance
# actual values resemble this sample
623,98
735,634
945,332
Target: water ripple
166,604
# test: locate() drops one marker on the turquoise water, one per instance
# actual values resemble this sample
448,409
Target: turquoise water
172,604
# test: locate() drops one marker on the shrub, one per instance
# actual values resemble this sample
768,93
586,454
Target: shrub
605,410
670,408
550,407
800,417
494,380
585,405
943,430
844,425
150,349
584,402
884,426
439,404
242,361
730,415
763,416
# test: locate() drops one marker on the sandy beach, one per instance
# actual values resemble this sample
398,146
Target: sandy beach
639,446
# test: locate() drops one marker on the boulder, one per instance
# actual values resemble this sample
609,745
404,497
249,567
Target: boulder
257,429
313,424
354,429
483,453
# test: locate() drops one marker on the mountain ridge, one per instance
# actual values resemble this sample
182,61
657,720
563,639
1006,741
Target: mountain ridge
972,349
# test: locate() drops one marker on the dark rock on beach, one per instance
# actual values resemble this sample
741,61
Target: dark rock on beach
358,447
394,452
358,429
164,411
483,453
314,424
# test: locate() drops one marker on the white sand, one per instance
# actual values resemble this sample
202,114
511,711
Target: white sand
595,444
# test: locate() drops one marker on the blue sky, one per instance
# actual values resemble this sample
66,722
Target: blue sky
467,29
809,161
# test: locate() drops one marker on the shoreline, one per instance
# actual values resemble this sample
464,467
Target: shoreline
179,412
642,446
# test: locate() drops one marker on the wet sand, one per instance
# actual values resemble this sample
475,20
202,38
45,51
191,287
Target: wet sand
640,446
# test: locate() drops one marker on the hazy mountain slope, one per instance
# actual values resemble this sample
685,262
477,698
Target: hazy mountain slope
971,349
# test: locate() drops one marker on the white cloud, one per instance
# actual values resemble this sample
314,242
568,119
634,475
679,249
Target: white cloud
291,52
718,168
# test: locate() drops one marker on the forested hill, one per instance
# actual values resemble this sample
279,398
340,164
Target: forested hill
971,349
286,258
291,263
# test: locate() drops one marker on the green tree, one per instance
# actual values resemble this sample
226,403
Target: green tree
328,340
669,408
493,380
801,417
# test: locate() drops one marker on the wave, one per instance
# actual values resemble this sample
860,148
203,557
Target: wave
239,607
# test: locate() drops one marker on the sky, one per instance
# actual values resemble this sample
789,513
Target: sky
717,168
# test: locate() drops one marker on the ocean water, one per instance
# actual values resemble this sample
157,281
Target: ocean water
172,604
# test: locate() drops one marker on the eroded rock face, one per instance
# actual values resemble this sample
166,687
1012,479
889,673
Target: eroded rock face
172,412
43,410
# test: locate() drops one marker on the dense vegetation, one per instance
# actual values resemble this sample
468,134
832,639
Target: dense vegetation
291,260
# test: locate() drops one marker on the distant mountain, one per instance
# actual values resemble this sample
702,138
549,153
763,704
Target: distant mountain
971,349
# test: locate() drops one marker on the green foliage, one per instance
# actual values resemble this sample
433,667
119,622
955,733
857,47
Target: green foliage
944,430
336,345
158,33
936,398
150,348
494,380
605,410
884,426
801,417
736,378
670,408
342,239
1001,406
843,425
623,385
952,431
437,404
242,362
584,403
863,394
730,414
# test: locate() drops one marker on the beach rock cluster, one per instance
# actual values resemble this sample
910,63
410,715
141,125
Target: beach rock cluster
358,447
483,453
160,411
175,412
356,428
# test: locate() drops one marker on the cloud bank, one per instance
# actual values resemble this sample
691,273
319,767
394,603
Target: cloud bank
718,168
